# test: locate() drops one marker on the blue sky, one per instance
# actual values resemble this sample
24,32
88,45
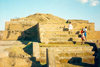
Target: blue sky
67,9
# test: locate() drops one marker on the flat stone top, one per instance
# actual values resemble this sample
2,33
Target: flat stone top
85,21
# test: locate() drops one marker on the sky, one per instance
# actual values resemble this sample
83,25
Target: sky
67,9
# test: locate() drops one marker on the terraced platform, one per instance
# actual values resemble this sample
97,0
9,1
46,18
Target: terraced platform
69,55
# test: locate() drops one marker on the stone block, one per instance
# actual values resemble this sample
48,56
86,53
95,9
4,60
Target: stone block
36,50
51,58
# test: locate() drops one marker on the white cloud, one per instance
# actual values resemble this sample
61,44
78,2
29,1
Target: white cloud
94,2
91,2
84,1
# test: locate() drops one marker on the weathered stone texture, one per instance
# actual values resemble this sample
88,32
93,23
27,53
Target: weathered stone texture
51,58
14,62
27,28
36,50
68,55
1,35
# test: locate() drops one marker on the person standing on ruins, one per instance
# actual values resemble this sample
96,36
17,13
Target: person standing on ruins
85,33
82,36
70,27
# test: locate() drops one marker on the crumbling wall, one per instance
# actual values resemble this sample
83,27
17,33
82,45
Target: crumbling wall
1,35
79,24
15,30
52,29
93,35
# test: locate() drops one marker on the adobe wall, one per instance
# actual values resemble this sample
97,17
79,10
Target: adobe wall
79,24
53,28
59,51
93,36
1,35
15,30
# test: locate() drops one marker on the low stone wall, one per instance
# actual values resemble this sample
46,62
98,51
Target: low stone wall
64,54
48,31
93,36
20,31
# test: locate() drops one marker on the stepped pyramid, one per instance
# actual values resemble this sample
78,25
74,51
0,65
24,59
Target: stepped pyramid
39,26
58,32
46,28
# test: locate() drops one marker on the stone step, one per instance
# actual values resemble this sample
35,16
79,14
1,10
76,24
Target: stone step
51,29
59,38
63,39
52,25
67,42
73,65
43,46
57,27
77,40
9,43
86,59
75,54
57,30
59,35
74,48
61,32
62,23
62,42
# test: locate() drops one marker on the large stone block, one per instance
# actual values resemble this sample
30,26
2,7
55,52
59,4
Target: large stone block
36,50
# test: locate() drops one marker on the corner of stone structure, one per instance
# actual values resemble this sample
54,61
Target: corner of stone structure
36,51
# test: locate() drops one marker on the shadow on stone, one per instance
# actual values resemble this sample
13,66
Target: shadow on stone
31,34
95,49
65,29
29,50
70,39
78,61
35,63
79,35
77,32
92,44
74,42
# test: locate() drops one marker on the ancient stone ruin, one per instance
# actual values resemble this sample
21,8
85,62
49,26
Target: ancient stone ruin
43,40
38,26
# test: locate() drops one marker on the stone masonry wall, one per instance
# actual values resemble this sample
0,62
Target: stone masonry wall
52,28
64,54
14,30
1,35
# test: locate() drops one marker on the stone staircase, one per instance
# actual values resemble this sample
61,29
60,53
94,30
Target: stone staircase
69,56
55,33
74,56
